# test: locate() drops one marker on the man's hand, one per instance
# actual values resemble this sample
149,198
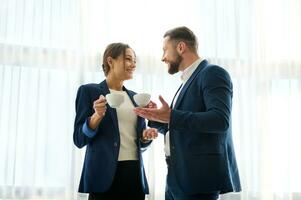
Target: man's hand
154,114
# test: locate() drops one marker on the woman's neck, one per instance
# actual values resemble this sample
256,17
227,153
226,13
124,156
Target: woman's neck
114,84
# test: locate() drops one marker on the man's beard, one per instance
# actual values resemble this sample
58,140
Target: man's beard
174,66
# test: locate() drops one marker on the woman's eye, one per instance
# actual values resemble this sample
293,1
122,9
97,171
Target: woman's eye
130,60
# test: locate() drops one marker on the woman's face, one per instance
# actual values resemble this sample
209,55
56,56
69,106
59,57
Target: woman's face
124,65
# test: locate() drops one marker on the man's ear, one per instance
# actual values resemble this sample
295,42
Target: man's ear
181,47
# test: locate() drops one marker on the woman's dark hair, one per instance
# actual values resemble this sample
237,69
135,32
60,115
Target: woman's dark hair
113,50
183,34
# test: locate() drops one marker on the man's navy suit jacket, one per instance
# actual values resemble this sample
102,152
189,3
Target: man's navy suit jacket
201,146
102,149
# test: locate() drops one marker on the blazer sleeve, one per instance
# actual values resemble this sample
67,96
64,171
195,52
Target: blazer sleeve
162,127
217,91
83,111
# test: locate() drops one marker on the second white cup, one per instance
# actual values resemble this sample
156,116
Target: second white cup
142,99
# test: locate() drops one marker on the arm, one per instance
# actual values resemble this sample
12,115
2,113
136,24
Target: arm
86,120
162,127
217,94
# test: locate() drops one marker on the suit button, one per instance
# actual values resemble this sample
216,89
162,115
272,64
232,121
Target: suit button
115,144
172,147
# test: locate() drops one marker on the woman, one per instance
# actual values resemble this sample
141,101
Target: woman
113,166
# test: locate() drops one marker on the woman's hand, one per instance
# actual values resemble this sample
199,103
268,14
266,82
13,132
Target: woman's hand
99,106
149,134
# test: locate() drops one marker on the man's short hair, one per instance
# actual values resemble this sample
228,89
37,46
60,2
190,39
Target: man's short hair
183,34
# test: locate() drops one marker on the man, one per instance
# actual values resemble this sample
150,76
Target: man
197,126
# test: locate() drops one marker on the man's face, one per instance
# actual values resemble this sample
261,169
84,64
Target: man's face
170,56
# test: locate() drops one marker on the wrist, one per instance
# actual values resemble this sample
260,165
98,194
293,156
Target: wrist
145,140
94,121
96,117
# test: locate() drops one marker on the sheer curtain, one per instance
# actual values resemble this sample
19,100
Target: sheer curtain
50,47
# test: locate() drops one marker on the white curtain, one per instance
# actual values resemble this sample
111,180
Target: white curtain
50,47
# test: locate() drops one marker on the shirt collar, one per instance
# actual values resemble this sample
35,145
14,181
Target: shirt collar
189,70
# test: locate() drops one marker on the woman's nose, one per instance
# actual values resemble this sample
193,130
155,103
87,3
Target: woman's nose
133,65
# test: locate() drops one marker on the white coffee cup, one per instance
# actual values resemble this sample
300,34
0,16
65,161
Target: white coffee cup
114,100
142,99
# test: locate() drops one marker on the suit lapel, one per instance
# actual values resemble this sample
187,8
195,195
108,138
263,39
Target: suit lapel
171,105
139,119
111,111
131,95
203,64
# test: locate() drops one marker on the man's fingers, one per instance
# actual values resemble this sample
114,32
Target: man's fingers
145,116
164,103
140,111
147,113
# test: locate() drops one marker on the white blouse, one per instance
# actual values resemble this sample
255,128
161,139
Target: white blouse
127,123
